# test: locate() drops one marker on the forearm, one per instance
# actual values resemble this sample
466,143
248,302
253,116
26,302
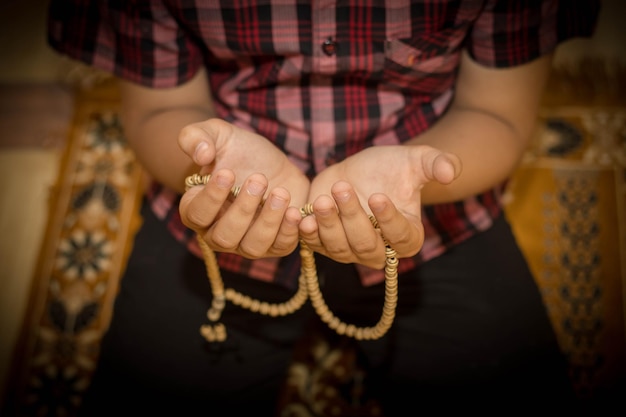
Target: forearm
488,125
154,141
153,120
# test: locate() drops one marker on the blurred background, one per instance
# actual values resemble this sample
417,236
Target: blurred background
36,108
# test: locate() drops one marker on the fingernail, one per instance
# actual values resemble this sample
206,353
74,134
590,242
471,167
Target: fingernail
379,207
202,146
255,188
222,181
277,203
323,212
343,197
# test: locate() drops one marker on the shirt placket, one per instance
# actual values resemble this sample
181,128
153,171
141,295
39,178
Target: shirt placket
324,62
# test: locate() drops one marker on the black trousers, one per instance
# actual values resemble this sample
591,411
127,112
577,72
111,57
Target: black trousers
471,332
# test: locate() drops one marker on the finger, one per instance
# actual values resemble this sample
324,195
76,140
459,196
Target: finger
288,234
331,232
309,233
404,234
200,205
261,234
200,140
363,240
308,227
441,166
197,144
234,223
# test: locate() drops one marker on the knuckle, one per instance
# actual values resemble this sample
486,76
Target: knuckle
284,244
251,252
220,241
248,209
195,217
343,254
366,246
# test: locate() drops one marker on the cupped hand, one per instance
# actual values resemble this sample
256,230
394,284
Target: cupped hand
262,220
383,181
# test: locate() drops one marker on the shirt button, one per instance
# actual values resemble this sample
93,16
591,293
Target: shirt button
329,47
331,159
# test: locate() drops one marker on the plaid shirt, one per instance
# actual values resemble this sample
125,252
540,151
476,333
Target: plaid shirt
322,81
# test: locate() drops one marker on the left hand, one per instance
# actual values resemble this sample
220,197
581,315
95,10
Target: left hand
384,181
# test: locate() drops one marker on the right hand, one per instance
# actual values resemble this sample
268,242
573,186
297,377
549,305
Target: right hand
241,225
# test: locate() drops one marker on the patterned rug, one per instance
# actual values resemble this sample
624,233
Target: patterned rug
93,213
567,204
568,211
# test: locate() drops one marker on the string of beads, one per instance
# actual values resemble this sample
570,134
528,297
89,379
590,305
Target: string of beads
308,288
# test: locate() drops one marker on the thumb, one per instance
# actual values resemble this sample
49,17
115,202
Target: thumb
199,140
443,167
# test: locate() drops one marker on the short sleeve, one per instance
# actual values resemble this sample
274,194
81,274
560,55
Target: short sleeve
139,41
509,33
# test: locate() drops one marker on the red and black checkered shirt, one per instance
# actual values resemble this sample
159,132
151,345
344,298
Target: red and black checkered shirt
321,79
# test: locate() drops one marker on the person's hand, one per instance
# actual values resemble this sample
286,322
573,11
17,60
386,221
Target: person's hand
243,225
384,181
